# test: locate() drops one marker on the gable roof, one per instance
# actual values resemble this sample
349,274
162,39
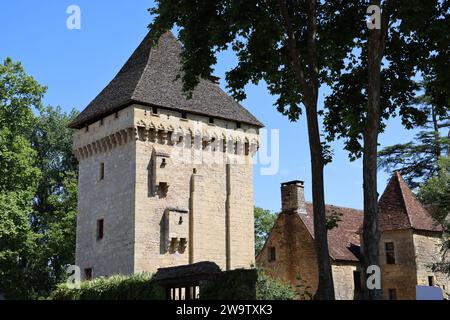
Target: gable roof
149,77
400,209
343,240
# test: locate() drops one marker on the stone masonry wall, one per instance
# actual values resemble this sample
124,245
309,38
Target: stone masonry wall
427,251
198,183
111,199
402,275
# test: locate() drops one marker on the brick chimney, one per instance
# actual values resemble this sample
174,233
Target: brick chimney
293,196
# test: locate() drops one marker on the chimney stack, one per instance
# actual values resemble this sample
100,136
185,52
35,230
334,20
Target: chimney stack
293,196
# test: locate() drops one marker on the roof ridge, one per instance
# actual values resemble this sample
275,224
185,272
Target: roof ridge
402,192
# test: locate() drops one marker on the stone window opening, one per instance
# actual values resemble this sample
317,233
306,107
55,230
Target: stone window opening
184,115
102,121
357,281
154,110
163,163
88,274
87,129
100,229
173,245
116,115
431,281
272,254
392,294
102,171
389,249
163,188
238,125
182,245
211,120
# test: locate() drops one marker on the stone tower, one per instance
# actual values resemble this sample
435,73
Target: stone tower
163,180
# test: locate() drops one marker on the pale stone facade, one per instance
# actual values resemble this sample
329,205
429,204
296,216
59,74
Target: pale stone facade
207,174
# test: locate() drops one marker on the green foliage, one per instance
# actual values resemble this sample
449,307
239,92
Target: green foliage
436,193
413,40
333,219
231,285
119,287
246,285
269,288
264,222
38,198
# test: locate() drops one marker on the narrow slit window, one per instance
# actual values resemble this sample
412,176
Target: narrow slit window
272,254
389,249
392,294
102,121
357,281
88,273
100,229
116,116
102,171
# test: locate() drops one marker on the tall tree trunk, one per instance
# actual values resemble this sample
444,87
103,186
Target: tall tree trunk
371,234
325,290
310,89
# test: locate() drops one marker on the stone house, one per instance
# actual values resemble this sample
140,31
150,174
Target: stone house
163,180
409,244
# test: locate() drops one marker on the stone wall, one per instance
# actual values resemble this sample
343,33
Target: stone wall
427,251
402,275
159,166
296,262
111,199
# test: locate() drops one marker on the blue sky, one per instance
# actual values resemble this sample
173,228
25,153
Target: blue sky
77,64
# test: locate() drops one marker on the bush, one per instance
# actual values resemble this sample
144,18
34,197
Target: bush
246,285
268,288
119,287
231,285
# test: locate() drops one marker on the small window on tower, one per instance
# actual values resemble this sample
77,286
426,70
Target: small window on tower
390,252
272,254
100,225
88,273
102,171
431,281
392,294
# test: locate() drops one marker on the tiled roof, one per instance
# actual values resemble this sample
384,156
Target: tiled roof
399,209
149,77
343,241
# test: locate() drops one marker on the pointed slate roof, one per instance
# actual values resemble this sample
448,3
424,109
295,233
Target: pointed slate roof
149,77
400,209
